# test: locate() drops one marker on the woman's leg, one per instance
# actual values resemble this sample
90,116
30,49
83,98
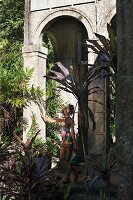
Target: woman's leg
62,152
74,169
69,151
76,172
69,154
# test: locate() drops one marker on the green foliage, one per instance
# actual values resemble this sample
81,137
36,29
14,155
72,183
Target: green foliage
113,71
104,169
112,38
14,82
67,192
53,100
39,143
34,127
3,140
12,76
53,104
52,146
15,94
49,147
102,195
50,57
11,21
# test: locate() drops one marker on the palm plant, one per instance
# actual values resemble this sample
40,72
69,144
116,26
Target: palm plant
26,176
76,80
102,171
106,49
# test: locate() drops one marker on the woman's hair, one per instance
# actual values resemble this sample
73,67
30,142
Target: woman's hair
71,109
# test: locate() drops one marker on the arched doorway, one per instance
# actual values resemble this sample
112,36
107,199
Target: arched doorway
67,35
35,53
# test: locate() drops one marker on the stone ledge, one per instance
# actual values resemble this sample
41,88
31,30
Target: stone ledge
35,50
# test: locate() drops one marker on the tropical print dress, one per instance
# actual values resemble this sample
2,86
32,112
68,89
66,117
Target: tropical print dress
67,140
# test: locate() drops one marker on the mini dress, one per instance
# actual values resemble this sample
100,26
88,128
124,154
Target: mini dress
67,140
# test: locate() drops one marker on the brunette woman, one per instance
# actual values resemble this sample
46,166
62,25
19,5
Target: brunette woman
68,143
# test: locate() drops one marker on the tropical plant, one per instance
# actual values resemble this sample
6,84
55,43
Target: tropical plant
101,171
106,49
24,174
76,80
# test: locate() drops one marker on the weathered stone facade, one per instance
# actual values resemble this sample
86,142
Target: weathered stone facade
83,16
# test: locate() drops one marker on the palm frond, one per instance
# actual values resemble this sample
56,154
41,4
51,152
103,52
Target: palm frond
63,69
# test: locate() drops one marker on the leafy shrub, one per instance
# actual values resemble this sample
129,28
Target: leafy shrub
24,174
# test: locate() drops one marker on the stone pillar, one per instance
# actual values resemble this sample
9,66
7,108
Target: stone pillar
98,137
98,143
35,57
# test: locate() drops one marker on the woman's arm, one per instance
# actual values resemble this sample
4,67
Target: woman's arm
51,120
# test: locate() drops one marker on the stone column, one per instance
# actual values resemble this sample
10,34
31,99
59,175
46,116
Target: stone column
98,143
35,57
98,137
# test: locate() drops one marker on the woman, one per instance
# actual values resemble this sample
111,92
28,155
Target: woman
68,143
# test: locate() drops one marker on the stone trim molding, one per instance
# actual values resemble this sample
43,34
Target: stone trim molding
35,50
54,5
64,12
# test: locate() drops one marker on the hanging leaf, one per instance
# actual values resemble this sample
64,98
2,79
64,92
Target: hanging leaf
104,41
97,45
56,75
92,47
67,192
63,69
112,38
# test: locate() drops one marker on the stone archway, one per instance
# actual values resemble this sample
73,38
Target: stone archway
35,54
60,13
67,35
49,19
